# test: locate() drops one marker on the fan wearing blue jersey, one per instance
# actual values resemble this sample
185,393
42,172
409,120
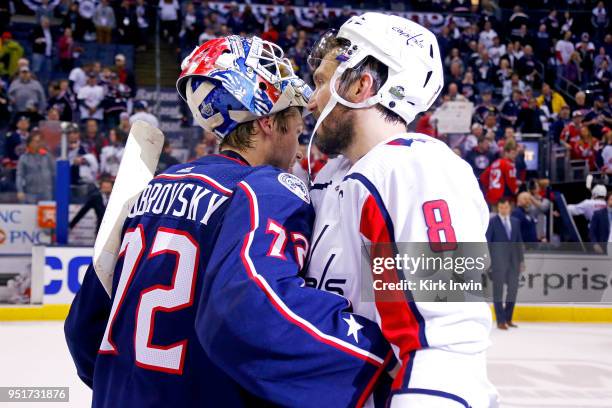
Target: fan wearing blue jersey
207,308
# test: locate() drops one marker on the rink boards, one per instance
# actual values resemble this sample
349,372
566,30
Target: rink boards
554,288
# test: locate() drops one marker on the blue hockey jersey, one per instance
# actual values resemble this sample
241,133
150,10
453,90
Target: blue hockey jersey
207,307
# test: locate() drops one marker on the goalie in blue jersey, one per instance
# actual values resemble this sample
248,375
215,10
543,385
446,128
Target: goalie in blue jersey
207,306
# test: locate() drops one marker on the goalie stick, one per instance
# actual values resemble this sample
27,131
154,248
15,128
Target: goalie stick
137,168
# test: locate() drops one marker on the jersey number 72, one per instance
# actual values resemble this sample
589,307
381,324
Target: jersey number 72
158,298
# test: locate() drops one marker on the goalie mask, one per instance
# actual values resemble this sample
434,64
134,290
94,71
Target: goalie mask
231,80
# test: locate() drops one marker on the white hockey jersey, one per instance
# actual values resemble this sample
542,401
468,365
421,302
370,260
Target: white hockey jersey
385,197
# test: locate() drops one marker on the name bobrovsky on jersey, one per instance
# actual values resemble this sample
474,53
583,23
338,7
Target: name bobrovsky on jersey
188,200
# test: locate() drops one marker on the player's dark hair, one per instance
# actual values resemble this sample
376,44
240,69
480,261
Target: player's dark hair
378,70
241,138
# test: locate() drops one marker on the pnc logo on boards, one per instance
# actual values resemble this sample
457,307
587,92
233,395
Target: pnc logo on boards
2,236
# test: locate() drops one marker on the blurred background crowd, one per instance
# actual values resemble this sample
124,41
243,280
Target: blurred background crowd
537,74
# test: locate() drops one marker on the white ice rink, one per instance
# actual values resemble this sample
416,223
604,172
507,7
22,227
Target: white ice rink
537,365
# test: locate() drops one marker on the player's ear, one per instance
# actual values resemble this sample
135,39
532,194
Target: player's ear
265,125
363,88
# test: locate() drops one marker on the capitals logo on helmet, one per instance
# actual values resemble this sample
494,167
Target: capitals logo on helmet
231,80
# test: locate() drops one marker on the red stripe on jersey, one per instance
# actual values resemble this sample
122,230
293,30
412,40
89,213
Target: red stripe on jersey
370,387
398,323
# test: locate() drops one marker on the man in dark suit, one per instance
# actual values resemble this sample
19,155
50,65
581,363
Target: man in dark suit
98,201
601,225
505,246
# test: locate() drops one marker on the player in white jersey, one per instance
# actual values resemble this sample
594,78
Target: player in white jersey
590,205
386,185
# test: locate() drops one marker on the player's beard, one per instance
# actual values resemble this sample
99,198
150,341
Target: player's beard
336,133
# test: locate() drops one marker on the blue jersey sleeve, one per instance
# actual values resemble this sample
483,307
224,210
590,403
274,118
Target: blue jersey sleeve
284,342
85,324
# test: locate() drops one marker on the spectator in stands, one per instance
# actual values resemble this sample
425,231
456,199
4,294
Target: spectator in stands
514,83
93,140
540,205
125,75
552,99
598,117
35,172
603,76
5,115
453,93
87,9
527,66
586,147
568,23
572,71
580,102
111,155
52,114
522,212
83,165
510,109
552,23
98,200
586,51
42,49
168,16
480,157
190,29
143,17
78,77
563,51
90,99
507,261
558,126
499,179
104,20
15,143
210,141
486,35
25,90
491,129
127,31
497,50
72,20
10,52
141,109
606,153
44,10
485,105
124,123
600,21
542,44
531,118
166,159
115,101
600,58
62,98
67,51
600,229
571,133
426,123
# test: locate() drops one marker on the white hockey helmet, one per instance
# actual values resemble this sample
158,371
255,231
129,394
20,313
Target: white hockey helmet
410,52
599,191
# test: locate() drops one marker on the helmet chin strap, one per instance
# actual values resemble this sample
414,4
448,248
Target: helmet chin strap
333,100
